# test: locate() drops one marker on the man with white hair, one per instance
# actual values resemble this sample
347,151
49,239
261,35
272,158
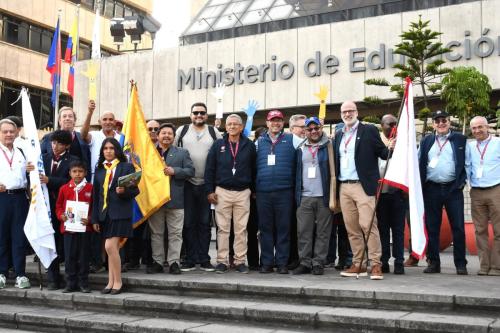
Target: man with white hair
482,162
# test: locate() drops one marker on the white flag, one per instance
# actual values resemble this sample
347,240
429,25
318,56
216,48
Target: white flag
403,172
96,36
38,228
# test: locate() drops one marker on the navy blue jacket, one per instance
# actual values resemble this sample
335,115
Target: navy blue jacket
280,176
78,148
368,148
120,206
218,169
458,143
180,161
323,167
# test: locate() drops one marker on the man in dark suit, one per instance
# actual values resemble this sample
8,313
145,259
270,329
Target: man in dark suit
443,175
357,149
179,167
56,163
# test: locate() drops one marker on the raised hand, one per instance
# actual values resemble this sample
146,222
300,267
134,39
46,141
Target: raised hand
321,95
250,110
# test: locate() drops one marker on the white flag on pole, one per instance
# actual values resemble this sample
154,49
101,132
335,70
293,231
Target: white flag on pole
96,35
403,172
38,227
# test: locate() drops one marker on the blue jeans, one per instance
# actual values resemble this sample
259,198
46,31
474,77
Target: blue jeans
435,197
275,212
196,232
13,212
391,212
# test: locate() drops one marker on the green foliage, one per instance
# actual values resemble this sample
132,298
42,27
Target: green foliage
424,113
377,82
373,100
466,92
371,119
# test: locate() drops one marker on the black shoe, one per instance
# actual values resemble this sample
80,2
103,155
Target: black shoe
53,286
253,268
399,269
85,290
266,269
174,269
69,289
242,268
294,264
154,268
385,268
116,291
221,268
340,266
133,266
188,267
301,269
106,291
282,270
433,268
318,270
207,267
462,271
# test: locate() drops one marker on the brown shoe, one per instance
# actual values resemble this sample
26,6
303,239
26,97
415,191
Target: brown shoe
376,273
411,262
353,271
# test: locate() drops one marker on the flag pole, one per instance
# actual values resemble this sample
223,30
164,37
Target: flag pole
58,69
380,185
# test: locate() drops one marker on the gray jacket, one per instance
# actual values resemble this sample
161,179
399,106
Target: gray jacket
178,158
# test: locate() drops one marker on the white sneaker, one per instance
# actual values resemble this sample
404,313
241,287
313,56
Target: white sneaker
3,280
22,282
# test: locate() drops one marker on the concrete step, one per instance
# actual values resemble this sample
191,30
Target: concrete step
57,310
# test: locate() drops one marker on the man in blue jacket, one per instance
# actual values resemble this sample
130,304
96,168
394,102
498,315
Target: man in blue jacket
443,175
229,177
312,192
275,184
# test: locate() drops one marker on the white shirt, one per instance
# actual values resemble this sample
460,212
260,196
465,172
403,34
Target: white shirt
95,147
12,177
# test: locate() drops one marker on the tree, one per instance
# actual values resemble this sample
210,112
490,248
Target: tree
466,92
423,52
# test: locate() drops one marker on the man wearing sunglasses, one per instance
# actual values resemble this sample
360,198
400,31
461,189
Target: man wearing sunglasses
197,138
443,175
312,185
153,127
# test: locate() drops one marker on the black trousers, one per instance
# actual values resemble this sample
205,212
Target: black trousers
77,259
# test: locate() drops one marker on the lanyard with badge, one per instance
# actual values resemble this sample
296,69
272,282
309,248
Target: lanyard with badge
7,158
344,161
481,154
434,161
234,153
311,171
271,158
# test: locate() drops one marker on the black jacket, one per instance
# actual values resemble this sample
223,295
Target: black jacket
120,206
218,170
368,148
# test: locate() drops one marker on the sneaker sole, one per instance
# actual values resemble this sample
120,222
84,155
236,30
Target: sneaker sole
353,274
242,272
208,269
188,269
376,277
220,272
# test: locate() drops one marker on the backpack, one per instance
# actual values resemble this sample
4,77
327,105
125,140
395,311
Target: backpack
185,128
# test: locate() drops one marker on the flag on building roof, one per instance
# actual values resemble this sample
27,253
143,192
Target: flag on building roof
71,54
54,64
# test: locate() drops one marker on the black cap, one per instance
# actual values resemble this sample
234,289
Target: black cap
439,114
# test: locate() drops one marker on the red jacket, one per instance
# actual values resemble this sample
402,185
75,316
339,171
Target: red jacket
67,192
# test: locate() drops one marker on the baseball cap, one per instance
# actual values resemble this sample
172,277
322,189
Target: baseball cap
439,114
274,114
314,120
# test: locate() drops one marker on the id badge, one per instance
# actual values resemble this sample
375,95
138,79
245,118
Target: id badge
271,159
479,172
434,162
233,170
344,162
311,172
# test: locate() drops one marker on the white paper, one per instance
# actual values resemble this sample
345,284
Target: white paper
271,159
311,172
75,211
434,162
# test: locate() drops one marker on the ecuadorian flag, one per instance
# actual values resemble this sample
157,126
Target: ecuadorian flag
154,185
70,56
54,63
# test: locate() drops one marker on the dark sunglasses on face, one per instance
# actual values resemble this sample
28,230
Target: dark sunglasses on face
311,129
392,124
153,129
441,120
199,113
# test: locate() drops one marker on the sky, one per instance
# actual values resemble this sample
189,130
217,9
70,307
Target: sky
174,16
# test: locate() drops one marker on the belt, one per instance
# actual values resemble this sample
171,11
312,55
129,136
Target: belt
486,188
349,181
439,184
15,191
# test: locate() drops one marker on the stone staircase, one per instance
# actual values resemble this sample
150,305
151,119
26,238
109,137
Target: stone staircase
208,302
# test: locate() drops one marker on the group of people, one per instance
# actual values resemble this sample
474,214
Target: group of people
284,201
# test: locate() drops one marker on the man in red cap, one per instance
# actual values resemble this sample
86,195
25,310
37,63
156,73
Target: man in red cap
275,192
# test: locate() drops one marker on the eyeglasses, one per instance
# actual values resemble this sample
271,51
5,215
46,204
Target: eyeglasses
392,124
303,126
440,120
312,129
348,111
199,113
153,129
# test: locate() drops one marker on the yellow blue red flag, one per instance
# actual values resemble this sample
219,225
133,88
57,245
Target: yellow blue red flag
70,56
154,185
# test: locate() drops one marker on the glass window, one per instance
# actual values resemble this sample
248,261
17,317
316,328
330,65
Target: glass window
201,25
128,11
236,7
279,13
218,2
109,8
119,10
253,16
46,41
362,12
84,52
89,4
212,11
36,39
260,4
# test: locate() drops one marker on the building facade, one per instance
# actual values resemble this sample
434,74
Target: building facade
26,30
